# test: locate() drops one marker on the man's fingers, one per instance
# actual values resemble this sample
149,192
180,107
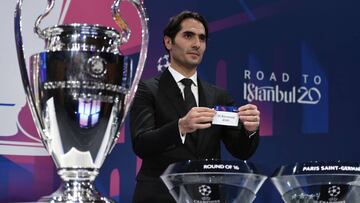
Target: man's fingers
202,125
250,118
206,114
201,119
247,107
202,109
249,113
198,114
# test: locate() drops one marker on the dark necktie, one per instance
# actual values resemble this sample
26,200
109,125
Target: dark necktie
189,102
188,95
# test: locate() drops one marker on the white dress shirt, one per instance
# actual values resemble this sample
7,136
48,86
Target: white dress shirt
194,88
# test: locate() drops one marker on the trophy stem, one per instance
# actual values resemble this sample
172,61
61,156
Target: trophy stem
77,187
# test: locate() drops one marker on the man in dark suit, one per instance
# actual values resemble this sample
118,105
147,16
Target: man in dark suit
166,128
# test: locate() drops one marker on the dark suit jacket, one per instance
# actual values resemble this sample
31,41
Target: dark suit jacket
154,116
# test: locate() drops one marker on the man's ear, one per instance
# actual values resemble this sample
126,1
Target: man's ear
167,42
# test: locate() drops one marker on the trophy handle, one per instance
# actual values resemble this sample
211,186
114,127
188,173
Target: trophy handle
23,69
37,28
144,45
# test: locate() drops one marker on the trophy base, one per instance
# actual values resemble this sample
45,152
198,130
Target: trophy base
76,192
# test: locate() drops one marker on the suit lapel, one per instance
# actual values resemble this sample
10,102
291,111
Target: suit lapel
204,94
206,99
168,86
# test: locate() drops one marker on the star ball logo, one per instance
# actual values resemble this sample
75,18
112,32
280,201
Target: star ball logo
163,63
96,67
334,191
205,190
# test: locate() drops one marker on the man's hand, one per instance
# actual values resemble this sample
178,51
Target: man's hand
196,118
249,116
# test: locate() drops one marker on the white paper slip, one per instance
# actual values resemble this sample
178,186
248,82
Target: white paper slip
226,118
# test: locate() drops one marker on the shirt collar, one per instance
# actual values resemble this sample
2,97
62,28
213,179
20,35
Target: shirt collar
178,76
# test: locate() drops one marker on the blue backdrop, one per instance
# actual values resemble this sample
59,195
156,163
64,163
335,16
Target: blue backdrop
297,60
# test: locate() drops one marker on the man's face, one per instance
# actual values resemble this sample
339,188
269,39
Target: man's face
189,45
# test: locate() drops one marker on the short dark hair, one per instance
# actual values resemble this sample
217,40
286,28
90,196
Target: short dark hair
174,25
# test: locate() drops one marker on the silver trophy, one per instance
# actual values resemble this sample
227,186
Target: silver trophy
79,90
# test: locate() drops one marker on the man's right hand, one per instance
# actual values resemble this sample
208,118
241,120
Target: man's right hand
196,118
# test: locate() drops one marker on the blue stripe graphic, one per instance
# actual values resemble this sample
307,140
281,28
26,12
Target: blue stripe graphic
4,104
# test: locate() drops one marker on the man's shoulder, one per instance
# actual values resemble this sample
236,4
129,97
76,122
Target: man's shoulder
151,83
216,94
212,87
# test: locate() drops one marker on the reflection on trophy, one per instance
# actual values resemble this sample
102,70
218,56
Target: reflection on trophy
79,92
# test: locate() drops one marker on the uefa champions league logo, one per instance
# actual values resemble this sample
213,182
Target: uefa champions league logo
163,63
334,191
96,67
333,195
205,190
207,195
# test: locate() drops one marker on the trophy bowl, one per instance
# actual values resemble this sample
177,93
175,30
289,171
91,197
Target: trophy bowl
79,91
